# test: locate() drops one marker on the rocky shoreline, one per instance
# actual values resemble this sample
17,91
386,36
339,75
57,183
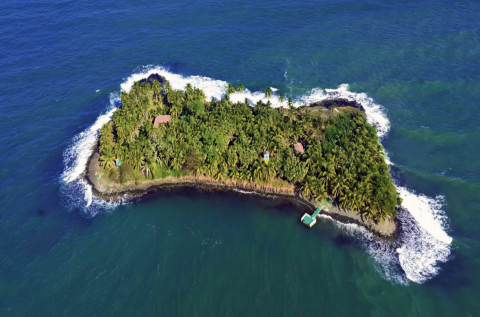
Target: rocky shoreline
112,191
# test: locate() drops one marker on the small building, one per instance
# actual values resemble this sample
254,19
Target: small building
330,199
266,156
161,119
118,163
298,147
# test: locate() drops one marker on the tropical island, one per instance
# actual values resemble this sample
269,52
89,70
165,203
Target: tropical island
317,152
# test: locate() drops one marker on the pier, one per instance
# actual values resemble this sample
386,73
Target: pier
310,221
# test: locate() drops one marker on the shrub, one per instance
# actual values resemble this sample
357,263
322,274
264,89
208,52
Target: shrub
114,174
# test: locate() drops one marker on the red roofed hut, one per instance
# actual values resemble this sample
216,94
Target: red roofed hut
298,147
163,119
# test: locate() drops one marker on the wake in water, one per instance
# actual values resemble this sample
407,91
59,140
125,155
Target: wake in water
414,256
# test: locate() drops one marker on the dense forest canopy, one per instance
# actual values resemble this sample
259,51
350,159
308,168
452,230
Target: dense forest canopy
221,139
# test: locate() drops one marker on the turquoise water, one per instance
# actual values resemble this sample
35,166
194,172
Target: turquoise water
413,65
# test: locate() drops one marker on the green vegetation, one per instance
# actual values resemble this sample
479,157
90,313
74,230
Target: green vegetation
226,140
268,92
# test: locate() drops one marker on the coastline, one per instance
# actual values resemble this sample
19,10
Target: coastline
385,229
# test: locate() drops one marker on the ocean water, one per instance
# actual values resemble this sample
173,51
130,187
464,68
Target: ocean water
415,68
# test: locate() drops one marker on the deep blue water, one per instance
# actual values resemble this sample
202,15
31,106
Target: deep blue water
193,253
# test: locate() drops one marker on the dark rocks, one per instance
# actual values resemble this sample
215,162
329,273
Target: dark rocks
162,80
338,103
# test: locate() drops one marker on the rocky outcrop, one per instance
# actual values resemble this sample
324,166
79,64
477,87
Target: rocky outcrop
162,80
338,103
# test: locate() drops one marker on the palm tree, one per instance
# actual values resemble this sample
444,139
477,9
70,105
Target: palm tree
270,172
339,186
290,103
230,89
292,113
201,169
175,163
108,158
189,92
247,175
307,187
168,87
320,193
281,97
149,165
157,89
268,92
211,169
137,160
176,110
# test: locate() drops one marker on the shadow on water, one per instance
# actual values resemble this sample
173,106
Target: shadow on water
275,206
40,213
282,205
343,240
279,204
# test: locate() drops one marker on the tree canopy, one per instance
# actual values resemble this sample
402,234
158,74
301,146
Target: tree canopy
222,139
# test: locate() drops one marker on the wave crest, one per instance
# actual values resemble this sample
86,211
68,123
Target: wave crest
76,191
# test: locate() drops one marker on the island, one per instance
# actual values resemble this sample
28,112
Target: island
322,153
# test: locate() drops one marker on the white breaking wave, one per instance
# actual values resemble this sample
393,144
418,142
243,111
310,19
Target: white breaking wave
387,159
217,88
423,239
375,113
253,193
75,189
383,252
429,215
76,156
211,87
420,245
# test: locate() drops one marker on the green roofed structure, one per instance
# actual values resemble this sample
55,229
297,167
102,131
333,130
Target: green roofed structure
310,221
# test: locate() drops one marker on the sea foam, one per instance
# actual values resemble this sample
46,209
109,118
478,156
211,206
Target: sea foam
414,256
76,191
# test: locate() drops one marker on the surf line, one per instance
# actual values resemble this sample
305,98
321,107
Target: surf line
425,244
